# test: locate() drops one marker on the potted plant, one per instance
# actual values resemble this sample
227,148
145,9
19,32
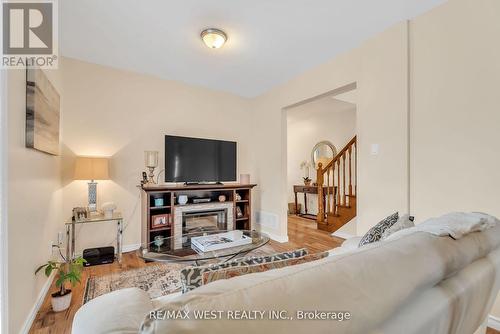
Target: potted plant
305,165
67,271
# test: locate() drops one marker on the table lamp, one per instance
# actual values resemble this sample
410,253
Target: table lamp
92,169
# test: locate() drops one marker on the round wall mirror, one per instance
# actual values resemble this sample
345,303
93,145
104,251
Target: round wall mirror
323,152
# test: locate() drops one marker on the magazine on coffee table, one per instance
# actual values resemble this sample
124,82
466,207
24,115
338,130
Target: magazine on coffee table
219,241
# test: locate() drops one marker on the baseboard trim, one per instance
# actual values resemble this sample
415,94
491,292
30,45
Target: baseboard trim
41,297
130,248
343,235
494,322
278,238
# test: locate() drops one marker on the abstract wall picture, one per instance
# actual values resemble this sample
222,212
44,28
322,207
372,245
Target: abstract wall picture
42,113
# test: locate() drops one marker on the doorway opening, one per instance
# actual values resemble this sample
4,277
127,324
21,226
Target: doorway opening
321,160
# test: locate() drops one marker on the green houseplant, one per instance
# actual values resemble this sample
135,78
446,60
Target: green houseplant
67,272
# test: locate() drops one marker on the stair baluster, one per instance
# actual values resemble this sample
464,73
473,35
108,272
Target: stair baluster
328,191
340,206
350,172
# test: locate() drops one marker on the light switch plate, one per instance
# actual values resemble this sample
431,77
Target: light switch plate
375,148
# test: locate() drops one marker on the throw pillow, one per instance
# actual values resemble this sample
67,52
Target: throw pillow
375,233
191,277
226,273
403,222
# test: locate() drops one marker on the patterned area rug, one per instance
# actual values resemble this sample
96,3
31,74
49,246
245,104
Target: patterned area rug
157,280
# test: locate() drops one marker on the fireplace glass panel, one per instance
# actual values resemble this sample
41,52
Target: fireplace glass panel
204,221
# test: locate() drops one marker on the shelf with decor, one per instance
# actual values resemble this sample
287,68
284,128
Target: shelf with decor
160,207
243,208
157,215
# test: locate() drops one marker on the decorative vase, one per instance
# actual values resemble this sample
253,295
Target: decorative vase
222,198
61,303
245,178
307,182
183,199
108,214
158,241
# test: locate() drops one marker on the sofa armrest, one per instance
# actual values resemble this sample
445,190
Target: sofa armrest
120,311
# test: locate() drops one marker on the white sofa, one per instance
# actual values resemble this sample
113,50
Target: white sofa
419,283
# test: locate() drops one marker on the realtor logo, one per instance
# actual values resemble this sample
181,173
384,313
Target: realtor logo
29,34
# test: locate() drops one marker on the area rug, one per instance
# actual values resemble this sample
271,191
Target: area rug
157,280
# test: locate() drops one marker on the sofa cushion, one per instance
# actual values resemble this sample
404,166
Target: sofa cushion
351,243
404,222
375,233
120,311
191,277
226,273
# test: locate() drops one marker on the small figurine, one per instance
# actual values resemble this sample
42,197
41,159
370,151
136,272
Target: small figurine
144,178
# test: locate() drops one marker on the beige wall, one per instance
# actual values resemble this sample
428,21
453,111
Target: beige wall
324,119
34,205
379,67
120,114
455,114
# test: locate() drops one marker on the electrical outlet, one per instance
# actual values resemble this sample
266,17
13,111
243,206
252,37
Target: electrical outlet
51,248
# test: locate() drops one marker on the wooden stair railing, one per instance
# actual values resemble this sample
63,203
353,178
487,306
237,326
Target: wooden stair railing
339,174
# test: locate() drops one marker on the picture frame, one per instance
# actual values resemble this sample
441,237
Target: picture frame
42,113
159,221
239,212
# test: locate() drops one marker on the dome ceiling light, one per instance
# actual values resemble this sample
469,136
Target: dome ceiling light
213,38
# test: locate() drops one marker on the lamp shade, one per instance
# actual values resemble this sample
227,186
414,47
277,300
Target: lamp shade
91,168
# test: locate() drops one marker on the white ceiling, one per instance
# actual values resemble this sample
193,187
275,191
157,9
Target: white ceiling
270,41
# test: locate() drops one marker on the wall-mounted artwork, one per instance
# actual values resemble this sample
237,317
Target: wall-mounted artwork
42,113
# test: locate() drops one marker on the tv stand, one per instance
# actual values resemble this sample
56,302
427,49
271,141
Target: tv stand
238,196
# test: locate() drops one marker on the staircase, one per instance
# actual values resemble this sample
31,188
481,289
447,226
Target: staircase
337,189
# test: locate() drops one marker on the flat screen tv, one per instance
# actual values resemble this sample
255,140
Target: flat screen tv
195,160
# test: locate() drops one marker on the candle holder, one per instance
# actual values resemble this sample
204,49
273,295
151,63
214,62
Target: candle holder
151,176
151,162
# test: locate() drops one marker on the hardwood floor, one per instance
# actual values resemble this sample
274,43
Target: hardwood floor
301,233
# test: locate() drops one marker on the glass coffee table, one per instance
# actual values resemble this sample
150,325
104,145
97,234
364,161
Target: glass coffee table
178,249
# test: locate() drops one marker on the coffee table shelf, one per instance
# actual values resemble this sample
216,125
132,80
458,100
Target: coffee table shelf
171,250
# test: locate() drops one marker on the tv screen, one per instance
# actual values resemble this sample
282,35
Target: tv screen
199,160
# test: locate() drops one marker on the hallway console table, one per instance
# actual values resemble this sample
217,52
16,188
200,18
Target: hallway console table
309,190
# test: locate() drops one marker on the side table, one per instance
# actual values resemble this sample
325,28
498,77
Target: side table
71,237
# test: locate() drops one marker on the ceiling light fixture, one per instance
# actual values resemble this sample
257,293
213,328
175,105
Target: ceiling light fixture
213,38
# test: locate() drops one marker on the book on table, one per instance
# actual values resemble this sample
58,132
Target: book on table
219,241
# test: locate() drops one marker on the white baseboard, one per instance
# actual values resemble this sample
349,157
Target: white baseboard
494,322
130,248
343,235
278,238
39,301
